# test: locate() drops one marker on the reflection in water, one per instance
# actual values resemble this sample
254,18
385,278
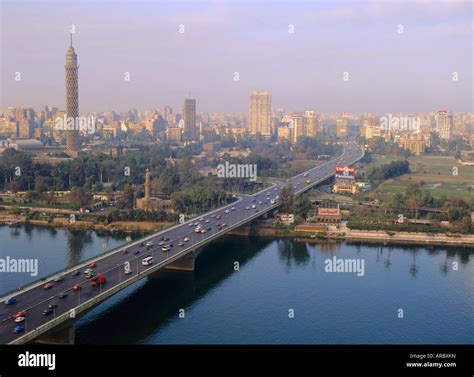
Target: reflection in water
76,241
413,266
290,251
388,262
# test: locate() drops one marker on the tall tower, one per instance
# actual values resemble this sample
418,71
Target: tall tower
189,117
260,114
72,99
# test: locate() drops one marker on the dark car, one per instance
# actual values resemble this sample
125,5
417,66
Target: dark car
136,252
125,252
75,273
47,311
62,295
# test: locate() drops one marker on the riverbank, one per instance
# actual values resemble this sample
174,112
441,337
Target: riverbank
144,227
344,233
261,230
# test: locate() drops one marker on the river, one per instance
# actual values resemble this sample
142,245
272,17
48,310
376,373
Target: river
272,291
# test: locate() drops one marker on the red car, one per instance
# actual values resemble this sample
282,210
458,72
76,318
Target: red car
48,286
99,279
19,314
93,265
77,287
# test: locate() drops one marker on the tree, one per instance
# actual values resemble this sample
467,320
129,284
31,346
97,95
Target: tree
79,197
302,206
128,197
286,197
466,224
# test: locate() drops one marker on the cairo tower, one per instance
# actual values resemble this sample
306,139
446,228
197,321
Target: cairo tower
72,100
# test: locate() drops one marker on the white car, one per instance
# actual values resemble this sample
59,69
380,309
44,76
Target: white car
254,206
207,220
272,201
247,208
149,243
233,208
19,319
226,211
147,261
201,219
186,239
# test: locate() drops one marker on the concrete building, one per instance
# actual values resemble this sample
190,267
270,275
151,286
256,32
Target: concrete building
284,132
174,134
311,123
189,117
443,124
342,127
260,114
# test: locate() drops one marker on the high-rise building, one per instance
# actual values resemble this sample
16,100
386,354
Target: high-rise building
72,99
297,120
189,117
311,123
443,124
260,114
342,126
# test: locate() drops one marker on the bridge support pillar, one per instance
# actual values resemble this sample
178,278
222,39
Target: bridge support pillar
65,335
186,263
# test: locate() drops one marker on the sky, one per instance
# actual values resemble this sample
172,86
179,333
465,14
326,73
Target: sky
400,56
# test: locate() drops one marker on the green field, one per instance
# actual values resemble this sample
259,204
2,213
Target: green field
437,174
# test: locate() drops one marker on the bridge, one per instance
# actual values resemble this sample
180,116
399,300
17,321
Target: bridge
123,266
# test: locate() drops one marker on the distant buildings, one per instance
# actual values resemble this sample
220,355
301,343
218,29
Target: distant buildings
260,114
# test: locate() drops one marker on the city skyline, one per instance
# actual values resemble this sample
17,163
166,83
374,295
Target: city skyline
295,84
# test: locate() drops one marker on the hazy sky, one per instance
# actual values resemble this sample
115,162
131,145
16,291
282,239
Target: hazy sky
388,71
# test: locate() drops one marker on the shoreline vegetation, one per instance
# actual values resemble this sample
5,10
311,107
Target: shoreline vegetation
345,234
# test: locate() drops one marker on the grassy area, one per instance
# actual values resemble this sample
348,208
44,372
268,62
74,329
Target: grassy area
436,172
